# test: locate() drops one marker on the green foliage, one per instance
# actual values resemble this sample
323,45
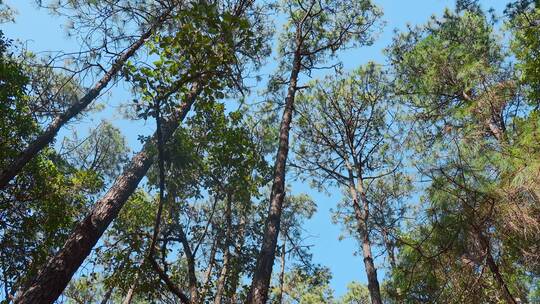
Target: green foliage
38,209
307,286
525,26
449,71
452,74
357,293
103,151
326,27
465,97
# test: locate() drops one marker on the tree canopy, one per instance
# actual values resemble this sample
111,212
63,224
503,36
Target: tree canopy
429,160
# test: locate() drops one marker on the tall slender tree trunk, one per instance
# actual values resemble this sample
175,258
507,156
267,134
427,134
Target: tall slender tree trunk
226,254
362,216
369,265
263,271
220,287
53,278
209,268
48,135
282,273
371,271
192,276
235,275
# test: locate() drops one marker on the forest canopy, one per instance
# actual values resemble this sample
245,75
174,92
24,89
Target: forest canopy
183,151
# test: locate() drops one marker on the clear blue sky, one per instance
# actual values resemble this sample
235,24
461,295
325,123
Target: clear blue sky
43,32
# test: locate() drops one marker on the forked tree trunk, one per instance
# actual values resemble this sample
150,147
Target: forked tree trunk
53,278
48,135
263,271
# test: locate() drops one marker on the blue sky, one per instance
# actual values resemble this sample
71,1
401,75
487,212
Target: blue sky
41,31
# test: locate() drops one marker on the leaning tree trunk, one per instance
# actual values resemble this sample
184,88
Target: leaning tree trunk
47,136
53,278
263,270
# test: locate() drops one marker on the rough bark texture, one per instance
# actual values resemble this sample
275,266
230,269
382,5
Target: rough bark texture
48,135
282,274
371,271
361,215
263,271
52,279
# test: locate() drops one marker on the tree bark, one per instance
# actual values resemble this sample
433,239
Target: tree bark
362,215
494,268
235,276
226,254
371,271
52,279
263,270
192,276
48,135
282,273
209,268
129,295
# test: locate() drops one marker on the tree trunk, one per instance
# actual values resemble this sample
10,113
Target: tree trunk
282,273
48,135
226,254
263,270
362,216
209,268
220,288
129,295
235,276
371,271
53,278
192,276
494,268
107,295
